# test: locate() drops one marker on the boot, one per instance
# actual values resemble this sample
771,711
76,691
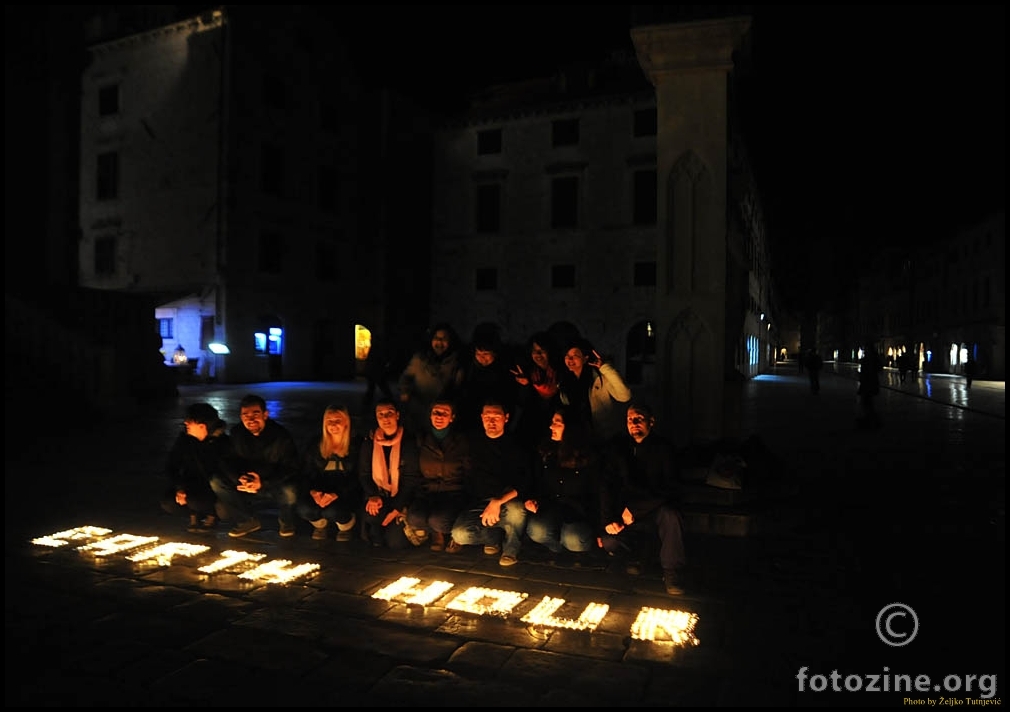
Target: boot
437,541
319,527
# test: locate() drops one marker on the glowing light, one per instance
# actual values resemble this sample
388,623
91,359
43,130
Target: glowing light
487,601
406,585
117,544
65,537
279,571
163,553
677,625
229,560
543,614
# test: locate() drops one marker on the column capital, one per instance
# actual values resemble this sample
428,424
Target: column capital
688,46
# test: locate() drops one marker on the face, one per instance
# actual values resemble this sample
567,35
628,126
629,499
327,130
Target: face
639,424
254,418
196,430
539,355
484,357
440,341
336,423
387,417
575,360
494,418
441,416
557,427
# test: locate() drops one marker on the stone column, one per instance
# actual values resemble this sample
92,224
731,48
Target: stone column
688,64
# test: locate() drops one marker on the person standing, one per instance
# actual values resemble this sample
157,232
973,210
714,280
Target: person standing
199,453
434,371
332,491
970,367
594,389
539,388
869,387
814,365
494,514
646,501
267,468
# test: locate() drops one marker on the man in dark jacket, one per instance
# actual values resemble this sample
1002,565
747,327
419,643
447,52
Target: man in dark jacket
267,466
647,481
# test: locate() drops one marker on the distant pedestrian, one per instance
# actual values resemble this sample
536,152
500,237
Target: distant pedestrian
814,365
869,387
970,367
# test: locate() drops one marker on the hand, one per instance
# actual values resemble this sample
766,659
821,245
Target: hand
249,482
180,498
613,529
531,505
373,505
628,517
596,360
491,514
393,515
520,377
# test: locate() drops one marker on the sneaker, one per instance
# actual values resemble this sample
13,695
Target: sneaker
243,528
437,541
673,582
453,547
492,549
319,529
634,568
414,536
507,560
285,529
194,524
345,536
347,533
207,525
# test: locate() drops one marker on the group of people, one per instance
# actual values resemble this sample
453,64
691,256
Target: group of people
471,452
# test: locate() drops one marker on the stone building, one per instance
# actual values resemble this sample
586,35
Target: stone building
616,200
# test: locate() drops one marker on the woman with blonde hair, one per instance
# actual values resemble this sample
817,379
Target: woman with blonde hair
330,470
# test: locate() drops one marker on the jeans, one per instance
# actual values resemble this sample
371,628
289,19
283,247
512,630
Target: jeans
666,523
436,511
549,528
468,528
340,511
243,506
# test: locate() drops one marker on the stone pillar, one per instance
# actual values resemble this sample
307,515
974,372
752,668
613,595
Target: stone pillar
688,64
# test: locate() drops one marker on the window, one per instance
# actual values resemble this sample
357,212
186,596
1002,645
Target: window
270,253
166,328
645,274
563,276
644,123
488,218
107,178
565,132
486,278
326,198
564,202
644,205
272,167
206,331
105,256
488,142
108,100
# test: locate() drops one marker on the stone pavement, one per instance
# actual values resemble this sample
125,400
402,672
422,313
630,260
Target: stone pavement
851,521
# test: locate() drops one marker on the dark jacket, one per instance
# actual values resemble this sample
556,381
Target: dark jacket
497,466
192,463
273,454
573,486
445,463
646,475
410,473
335,475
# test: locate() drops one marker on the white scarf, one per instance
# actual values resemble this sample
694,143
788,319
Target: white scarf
386,477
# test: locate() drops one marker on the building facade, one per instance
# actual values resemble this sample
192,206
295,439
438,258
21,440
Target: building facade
219,171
